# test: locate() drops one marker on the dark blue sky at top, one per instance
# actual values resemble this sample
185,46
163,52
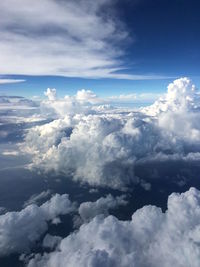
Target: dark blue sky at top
165,40
167,35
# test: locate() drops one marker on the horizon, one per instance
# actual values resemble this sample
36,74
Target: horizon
99,133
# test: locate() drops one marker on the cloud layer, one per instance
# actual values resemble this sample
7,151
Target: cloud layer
20,230
101,145
66,38
150,239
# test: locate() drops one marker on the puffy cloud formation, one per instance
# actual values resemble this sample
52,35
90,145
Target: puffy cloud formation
102,147
181,95
51,94
16,102
178,111
92,150
150,239
51,241
88,210
20,230
81,103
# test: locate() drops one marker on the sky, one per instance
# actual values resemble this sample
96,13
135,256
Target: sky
111,47
91,153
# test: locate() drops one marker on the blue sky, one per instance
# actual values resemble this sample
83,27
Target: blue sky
110,47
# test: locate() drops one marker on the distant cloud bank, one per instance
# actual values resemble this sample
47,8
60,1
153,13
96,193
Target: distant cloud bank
88,140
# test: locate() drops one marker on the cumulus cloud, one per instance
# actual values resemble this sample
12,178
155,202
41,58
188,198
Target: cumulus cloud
51,94
82,102
150,239
182,95
51,241
88,210
178,111
92,149
10,153
20,230
101,147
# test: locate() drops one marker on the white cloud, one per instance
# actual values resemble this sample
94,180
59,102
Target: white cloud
10,153
181,96
88,210
150,239
51,94
145,97
20,230
80,103
178,111
50,241
67,38
7,81
101,146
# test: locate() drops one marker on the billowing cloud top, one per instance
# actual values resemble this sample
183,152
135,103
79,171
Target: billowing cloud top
150,239
102,146
181,96
20,230
88,210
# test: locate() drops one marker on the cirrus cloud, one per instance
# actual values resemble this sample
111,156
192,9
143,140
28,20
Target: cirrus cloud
63,38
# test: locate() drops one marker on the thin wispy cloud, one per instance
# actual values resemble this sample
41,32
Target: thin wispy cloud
7,81
64,38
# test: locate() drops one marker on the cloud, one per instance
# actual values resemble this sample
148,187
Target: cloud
182,95
80,103
34,199
20,230
101,146
50,241
2,210
150,239
8,81
88,210
10,153
65,38
51,94
17,102
179,110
